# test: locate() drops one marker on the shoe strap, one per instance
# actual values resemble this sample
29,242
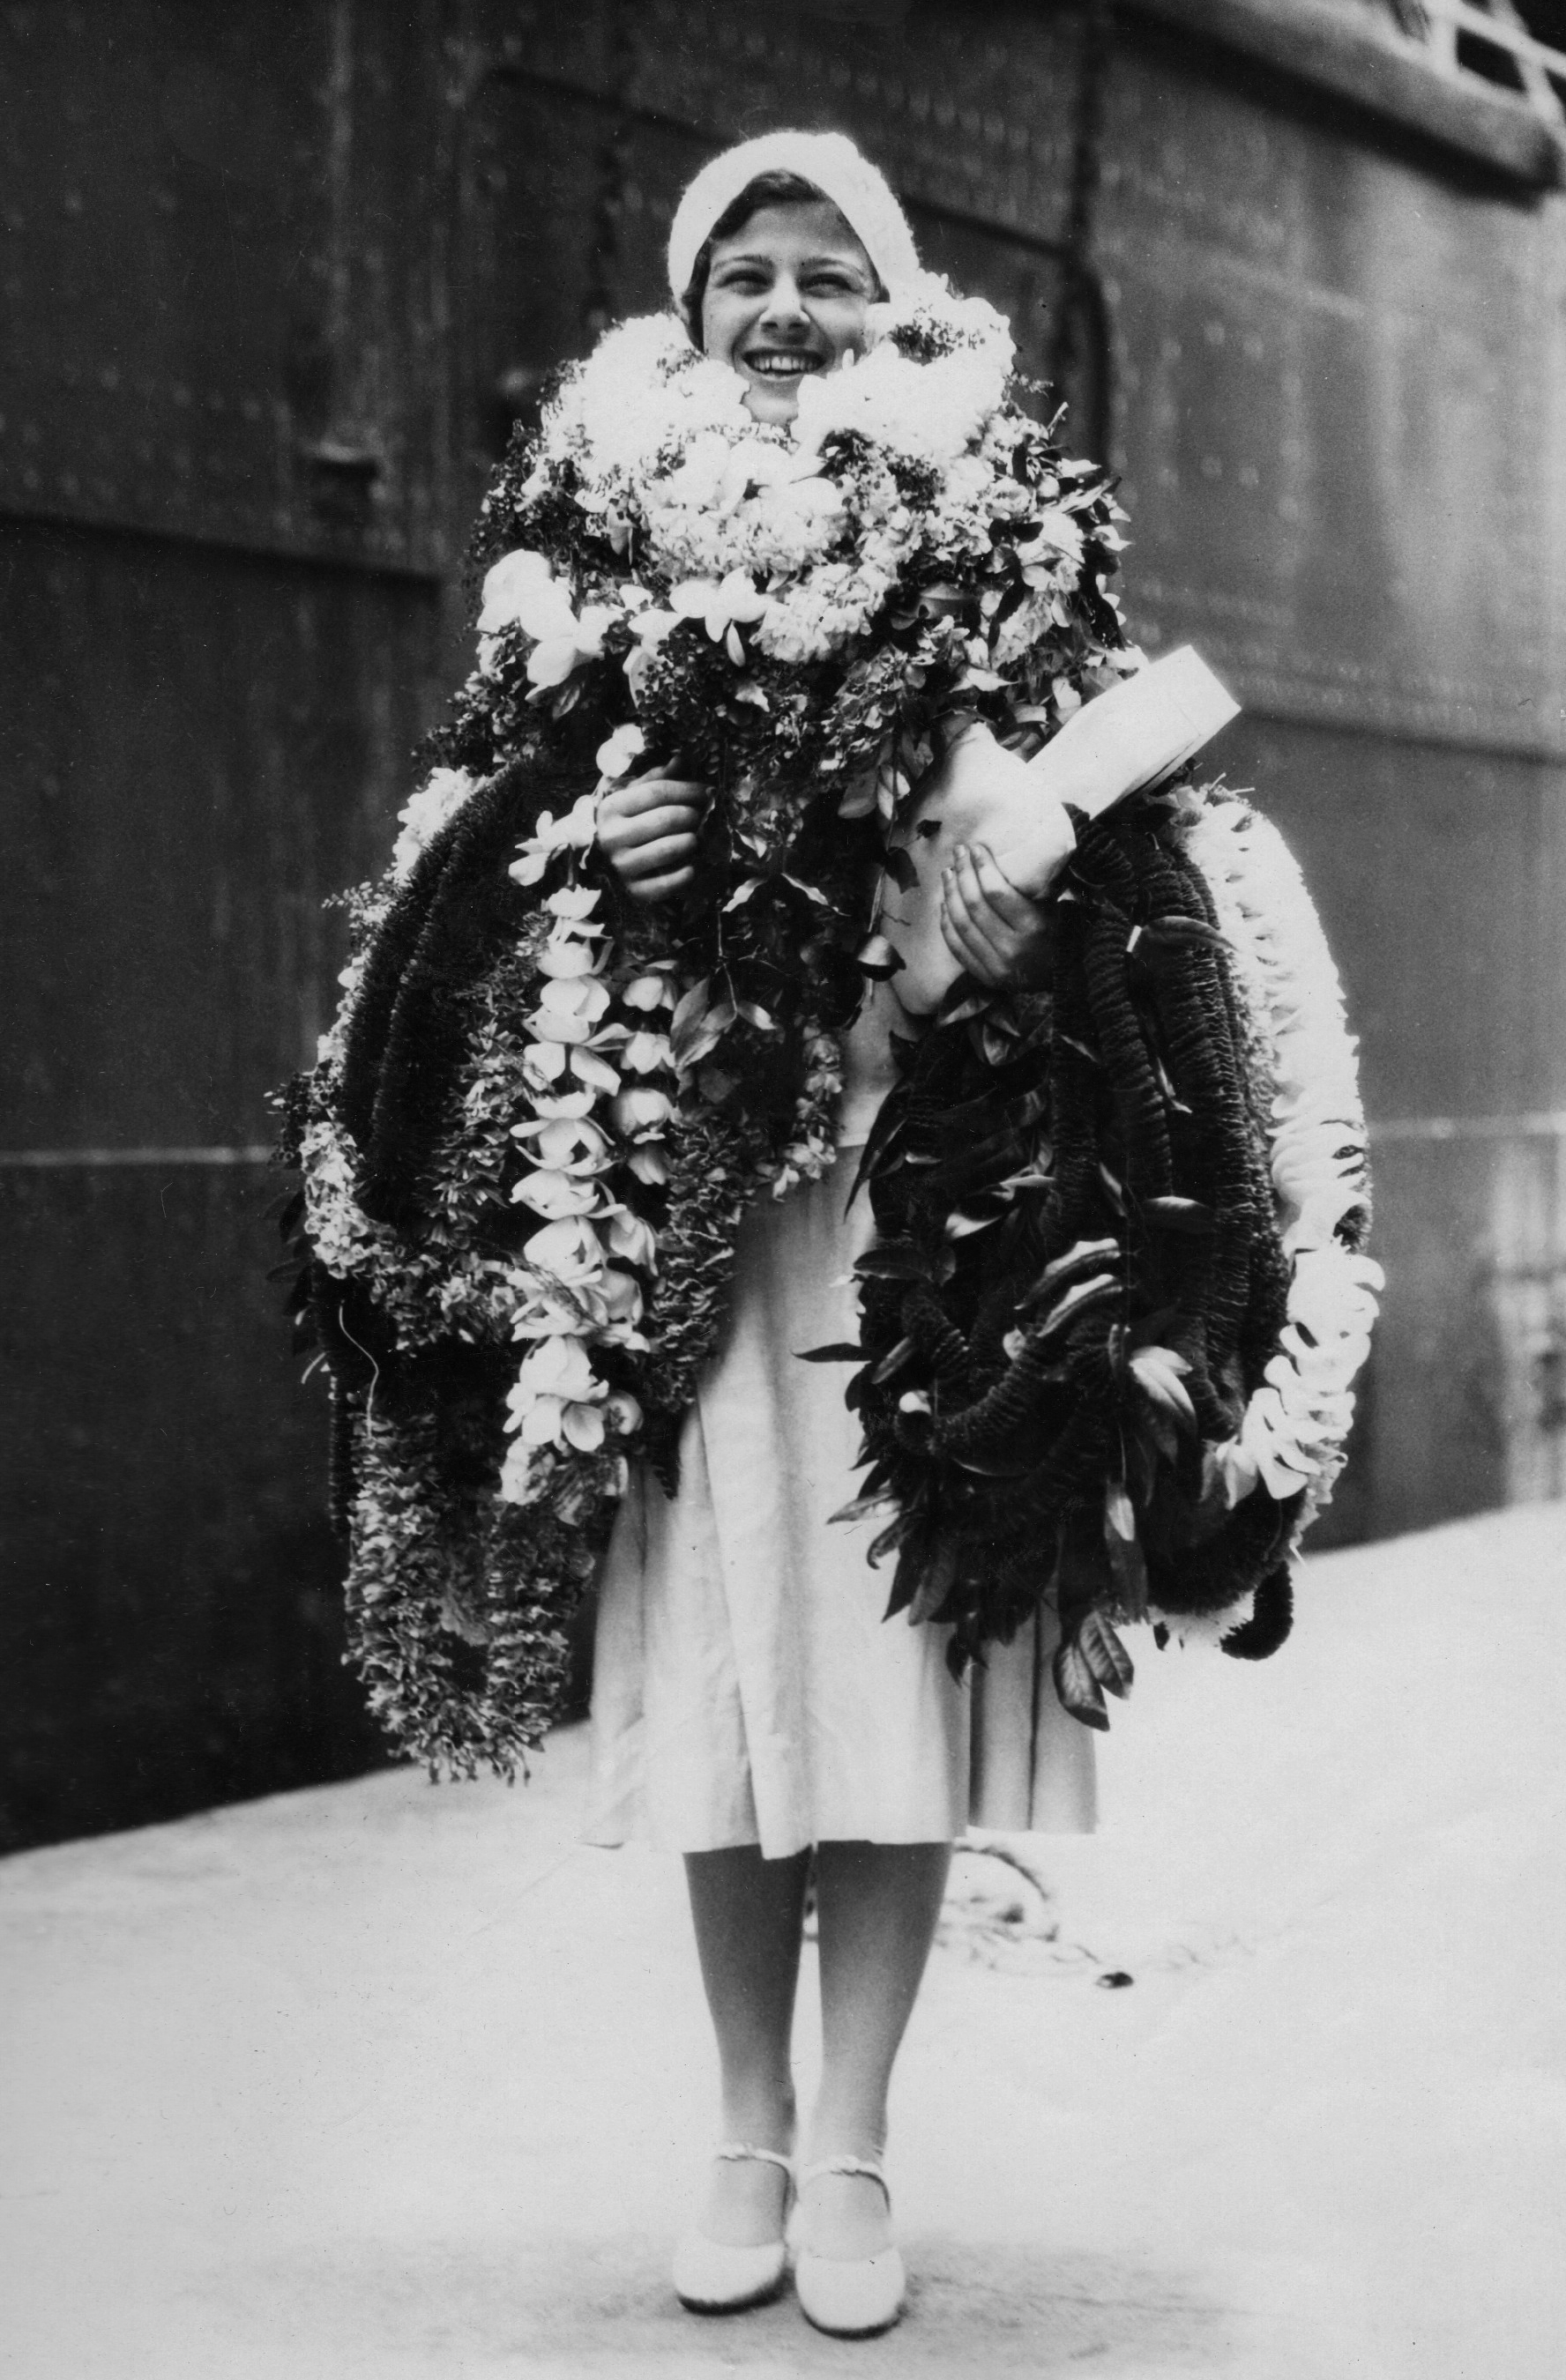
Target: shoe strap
740,2152
869,2166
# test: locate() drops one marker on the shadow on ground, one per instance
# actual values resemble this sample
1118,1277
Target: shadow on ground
564,2305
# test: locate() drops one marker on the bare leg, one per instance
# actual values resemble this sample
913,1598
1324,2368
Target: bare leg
878,1907
747,1912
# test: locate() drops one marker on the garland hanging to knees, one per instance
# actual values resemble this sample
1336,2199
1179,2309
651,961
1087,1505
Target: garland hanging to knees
1155,1177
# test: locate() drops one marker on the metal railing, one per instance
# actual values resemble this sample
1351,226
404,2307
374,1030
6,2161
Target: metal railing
1486,41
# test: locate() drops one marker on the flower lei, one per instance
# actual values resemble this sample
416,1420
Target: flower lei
541,1115
1296,1423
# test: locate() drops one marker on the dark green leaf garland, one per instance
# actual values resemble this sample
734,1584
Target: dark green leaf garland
1062,1185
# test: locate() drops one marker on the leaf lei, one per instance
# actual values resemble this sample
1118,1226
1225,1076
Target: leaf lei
1119,1294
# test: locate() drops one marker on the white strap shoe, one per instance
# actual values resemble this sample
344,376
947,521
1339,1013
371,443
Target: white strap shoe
852,2297
712,2277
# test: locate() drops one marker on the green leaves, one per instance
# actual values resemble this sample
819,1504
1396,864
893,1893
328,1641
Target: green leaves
1159,949
1157,1372
1106,1655
1089,1664
1102,1289
893,1361
1078,1689
962,1000
1087,1255
1123,1545
700,1023
1178,1215
1171,933
894,1260
863,1507
878,960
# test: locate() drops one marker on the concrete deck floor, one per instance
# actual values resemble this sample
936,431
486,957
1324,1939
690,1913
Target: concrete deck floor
378,2080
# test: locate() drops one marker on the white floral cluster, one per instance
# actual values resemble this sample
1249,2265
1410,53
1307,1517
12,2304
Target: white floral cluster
598,1043
341,1235
750,527
1296,1425
813,1152
437,800
931,411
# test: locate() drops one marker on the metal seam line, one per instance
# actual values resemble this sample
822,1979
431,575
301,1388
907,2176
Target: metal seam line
1543,1124
50,1160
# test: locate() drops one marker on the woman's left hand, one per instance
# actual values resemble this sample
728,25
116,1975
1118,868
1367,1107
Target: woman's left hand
996,933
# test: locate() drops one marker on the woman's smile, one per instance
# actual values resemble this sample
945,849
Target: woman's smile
780,363
786,296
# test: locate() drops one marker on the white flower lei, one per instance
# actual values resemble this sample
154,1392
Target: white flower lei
1294,1431
667,455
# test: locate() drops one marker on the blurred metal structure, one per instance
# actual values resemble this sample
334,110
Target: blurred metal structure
1492,40
278,280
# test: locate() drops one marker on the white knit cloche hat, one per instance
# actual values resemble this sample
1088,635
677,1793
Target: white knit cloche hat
858,191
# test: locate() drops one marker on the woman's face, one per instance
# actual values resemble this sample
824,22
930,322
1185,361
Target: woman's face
786,295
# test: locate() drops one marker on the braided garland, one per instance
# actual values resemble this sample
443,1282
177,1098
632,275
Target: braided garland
1087,1282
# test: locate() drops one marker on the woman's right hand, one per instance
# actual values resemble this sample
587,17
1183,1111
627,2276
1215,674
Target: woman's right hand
647,831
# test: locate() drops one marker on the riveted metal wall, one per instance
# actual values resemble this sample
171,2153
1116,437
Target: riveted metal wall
1329,370
226,463
283,275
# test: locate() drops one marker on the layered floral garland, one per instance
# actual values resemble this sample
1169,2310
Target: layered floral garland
1304,1077
541,1114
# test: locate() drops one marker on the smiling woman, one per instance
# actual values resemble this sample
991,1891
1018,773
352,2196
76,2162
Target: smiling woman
624,978
782,288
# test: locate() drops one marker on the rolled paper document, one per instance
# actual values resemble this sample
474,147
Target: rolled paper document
1140,732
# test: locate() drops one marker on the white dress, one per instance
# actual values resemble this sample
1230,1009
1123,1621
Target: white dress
746,1688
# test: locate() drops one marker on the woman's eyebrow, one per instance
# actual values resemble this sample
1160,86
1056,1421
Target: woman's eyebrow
807,264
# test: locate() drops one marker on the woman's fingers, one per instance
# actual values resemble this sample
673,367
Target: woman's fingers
962,938
643,862
652,790
976,923
647,831
658,887
982,875
996,932
622,835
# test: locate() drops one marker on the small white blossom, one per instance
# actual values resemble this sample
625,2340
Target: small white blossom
723,606
619,749
574,832
422,817
648,991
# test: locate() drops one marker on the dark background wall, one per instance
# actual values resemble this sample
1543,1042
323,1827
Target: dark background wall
279,274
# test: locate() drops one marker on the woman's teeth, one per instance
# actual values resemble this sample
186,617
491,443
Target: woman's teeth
777,366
